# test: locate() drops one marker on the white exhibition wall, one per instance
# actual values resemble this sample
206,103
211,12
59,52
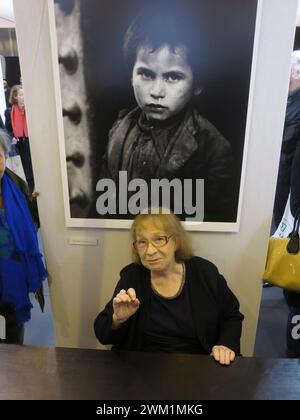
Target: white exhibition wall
83,276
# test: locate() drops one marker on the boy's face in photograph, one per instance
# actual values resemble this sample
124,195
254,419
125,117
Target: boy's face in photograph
162,81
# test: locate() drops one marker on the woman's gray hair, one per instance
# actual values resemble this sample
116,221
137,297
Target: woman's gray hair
4,142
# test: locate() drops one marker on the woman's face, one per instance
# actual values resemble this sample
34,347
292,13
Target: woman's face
20,97
152,257
2,162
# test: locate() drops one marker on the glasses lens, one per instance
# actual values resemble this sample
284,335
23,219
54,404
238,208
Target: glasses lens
140,244
160,241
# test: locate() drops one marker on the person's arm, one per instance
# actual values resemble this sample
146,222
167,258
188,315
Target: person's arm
219,184
295,182
8,126
291,132
228,345
107,157
111,325
103,325
231,318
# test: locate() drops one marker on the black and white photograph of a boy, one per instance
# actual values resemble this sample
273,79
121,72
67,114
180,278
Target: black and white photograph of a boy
164,136
167,83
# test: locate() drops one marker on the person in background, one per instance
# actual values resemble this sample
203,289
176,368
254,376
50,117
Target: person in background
288,182
21,266
18,125
169,300
293,298
6,91
291,137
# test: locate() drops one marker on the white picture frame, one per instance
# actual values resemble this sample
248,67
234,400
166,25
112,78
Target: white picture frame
73,86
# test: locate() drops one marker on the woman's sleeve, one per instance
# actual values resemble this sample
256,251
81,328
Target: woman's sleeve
295,182
231,318
103,323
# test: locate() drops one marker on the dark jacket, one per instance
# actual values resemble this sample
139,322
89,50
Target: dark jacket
295,182
293,298
8,125
290,140
214,307
197,150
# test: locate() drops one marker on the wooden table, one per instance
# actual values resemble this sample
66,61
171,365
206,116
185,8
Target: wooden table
65,373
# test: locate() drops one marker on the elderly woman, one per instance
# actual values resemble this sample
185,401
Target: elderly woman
169,300
21,266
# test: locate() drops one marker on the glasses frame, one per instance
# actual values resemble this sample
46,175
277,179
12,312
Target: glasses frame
155,246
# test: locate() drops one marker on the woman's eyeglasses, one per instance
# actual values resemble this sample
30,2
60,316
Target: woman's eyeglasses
157,242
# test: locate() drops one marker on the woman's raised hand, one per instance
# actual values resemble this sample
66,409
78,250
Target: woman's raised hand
125,304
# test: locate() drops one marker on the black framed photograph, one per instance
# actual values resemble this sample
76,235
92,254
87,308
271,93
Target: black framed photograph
154,104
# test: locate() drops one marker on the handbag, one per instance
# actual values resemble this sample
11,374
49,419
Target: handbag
283,259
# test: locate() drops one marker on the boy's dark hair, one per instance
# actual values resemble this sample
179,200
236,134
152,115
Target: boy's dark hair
156,28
